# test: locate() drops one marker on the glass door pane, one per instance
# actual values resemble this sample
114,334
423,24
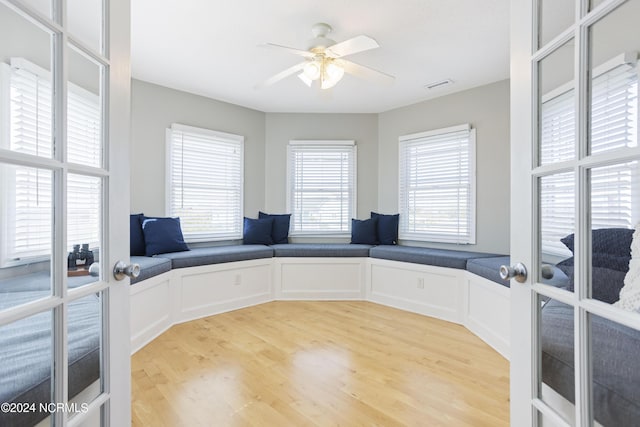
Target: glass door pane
556,107
26,352
85,22
555,16
26,85
84,110
26,234
613,80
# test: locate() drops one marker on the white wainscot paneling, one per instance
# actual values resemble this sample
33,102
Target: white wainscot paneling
319,278
432,291
488,312
213,289
150,309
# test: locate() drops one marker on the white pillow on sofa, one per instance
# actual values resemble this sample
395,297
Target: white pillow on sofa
630,293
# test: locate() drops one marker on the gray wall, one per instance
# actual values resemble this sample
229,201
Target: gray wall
155,108
283,127
486,108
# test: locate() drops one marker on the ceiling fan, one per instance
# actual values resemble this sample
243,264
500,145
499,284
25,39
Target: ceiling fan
324,60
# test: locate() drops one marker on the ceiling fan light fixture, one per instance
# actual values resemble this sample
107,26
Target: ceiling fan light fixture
312,70
331,75
334,71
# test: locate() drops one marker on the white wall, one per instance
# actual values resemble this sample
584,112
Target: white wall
486,108
283,127
155,108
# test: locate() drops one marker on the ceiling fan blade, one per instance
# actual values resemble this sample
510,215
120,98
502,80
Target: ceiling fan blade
293,50
365,72
351,46
282,75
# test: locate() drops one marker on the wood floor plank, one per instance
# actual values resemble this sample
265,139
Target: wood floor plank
320,363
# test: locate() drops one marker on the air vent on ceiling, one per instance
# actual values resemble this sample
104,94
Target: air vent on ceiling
437,85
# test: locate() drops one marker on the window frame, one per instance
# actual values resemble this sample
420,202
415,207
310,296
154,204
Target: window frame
403,233
214,136
353,190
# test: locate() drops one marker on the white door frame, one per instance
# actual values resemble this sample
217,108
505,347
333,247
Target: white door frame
113,406
525,57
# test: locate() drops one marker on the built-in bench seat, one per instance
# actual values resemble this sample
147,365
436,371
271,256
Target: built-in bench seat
150,267
321,250
489,268
432,282
217,255
483,264
427,256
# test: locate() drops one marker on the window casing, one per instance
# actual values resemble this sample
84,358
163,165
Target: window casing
321,187
27,192
437,186
614,195
205,179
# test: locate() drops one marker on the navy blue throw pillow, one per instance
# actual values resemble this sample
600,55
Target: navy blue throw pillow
136,236
387,228
163,235
364,231
257,231
610,241
280,232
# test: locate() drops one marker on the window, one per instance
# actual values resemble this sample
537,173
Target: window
205,182
615,125
28,191
437,186
321,187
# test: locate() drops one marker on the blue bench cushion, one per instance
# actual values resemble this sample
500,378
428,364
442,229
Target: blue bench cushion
150,267
489,268
217,255
40,281
322,250
428,256
25,351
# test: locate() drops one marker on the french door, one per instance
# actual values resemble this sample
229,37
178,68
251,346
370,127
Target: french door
575,201
64,198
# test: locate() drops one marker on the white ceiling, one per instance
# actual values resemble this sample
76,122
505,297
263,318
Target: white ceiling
210,48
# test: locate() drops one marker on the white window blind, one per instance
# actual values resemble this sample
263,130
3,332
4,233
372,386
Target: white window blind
437,186
615,199
205,188
321,186
29,203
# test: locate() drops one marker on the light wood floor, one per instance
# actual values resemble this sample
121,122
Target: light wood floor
319,364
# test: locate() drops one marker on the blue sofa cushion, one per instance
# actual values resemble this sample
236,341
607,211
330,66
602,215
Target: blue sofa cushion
136,236
365,231
217,255
150,266
616,367
608,241
281,222
321,250
257,231
428,256
387,228
163,235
